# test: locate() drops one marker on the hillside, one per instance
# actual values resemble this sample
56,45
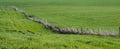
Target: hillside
17,32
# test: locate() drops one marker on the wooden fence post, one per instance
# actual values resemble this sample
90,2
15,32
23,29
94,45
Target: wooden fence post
119,31
81,30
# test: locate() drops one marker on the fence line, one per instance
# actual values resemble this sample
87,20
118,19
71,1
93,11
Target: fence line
66,30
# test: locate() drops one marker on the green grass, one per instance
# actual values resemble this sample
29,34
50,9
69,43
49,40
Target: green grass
14,26
10,21
79,16
86,17
42,38
23,3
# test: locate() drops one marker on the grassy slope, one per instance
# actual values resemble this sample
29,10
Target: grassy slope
87,17
45,39
82,13
42,38
79,16
61,2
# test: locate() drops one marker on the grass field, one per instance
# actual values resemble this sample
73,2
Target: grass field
17,32
89,17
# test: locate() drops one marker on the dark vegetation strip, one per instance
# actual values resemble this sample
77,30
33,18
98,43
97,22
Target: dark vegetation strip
65,30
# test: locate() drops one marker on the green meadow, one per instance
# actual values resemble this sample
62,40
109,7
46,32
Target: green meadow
17,32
